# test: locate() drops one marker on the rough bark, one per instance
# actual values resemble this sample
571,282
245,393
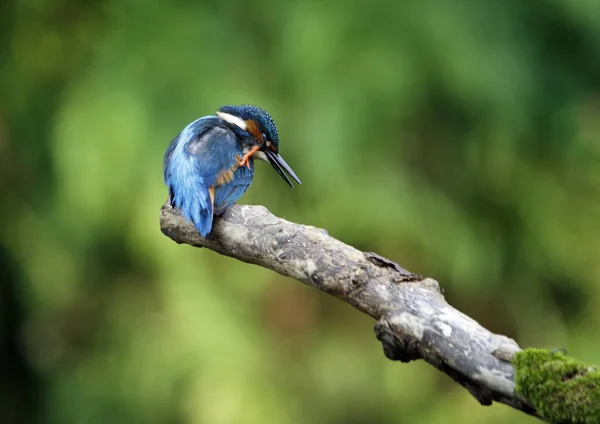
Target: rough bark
413,319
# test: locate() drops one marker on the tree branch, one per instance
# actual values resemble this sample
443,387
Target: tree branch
413,319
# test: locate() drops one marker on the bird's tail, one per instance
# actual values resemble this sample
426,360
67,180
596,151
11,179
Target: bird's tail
196,204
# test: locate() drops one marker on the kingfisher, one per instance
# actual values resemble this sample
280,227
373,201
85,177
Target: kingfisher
210,164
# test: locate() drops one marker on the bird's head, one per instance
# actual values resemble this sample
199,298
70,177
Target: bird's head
258,126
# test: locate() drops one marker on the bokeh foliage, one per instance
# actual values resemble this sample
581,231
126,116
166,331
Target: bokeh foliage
460,138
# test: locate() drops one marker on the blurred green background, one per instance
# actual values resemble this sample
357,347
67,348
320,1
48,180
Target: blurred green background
459,138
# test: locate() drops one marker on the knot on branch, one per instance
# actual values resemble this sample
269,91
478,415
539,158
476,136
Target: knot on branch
401,337
396,346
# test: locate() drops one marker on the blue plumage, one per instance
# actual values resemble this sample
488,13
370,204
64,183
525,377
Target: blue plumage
209,165
227,194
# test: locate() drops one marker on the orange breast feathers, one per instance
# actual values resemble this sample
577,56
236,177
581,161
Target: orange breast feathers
226,175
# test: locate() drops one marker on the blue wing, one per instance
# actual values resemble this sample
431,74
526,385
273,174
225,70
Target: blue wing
193,162
227,194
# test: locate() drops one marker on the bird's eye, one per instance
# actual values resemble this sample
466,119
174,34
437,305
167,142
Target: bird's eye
264,136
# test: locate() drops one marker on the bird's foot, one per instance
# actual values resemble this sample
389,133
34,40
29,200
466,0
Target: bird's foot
248,155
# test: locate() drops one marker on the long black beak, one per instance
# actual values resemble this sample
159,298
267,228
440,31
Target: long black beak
279,164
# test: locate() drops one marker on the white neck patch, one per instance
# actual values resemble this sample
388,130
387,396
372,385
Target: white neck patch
227,117
260,156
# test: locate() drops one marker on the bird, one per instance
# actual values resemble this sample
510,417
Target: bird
209,165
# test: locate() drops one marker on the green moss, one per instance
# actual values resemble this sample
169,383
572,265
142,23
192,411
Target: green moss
560,388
